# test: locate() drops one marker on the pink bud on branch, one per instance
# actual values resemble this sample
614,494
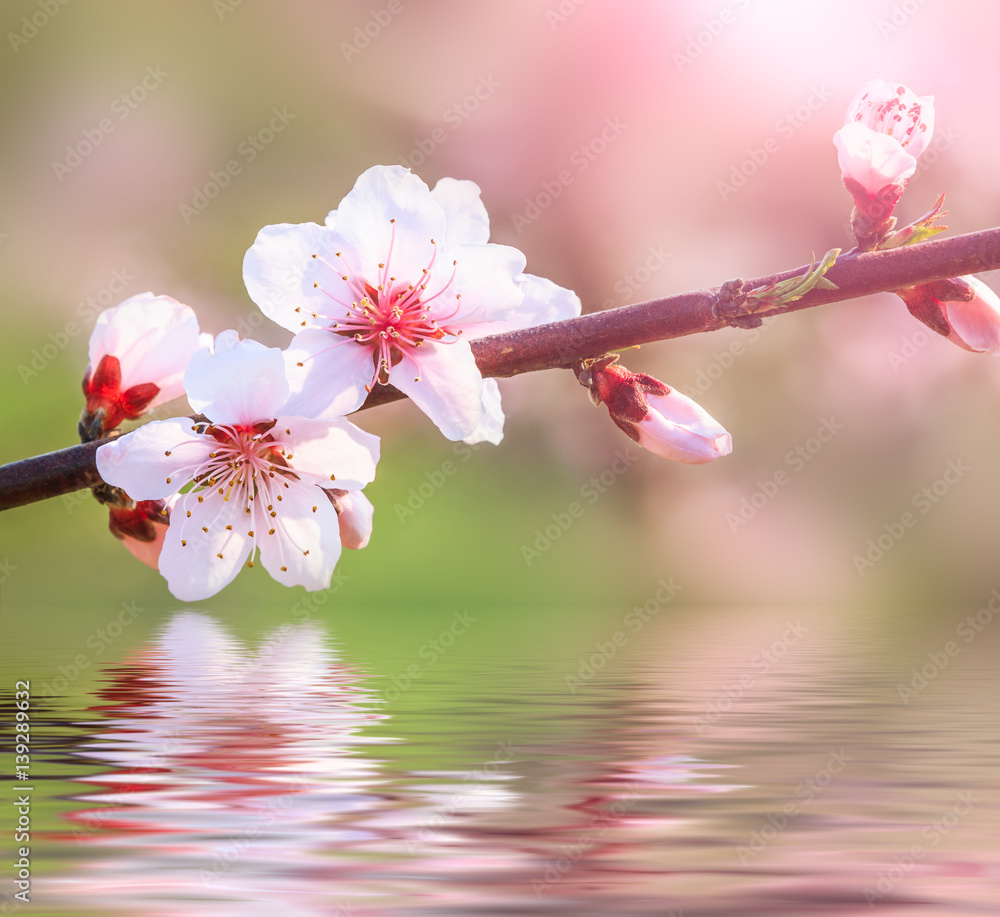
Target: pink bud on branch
659,418
963,309
886,128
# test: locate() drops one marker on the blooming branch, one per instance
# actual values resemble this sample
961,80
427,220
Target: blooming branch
563,343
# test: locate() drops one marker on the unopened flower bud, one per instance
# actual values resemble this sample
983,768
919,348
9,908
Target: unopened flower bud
138,353
963,309
659,418
141,527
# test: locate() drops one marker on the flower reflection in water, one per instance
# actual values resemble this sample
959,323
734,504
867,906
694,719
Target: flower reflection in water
236,776
238,781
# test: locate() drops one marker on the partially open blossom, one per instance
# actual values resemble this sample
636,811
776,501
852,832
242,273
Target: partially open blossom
659,418
887,127
256,473
138,353
141,527
963,309
354,515
388,290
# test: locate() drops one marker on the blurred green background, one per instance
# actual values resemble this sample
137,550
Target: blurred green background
509,95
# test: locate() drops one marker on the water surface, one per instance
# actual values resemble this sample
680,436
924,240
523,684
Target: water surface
709,762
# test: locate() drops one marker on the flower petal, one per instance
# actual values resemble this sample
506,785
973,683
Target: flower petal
872,159
149,463
445,383
679,429
330,453
364,220
332,378
280,273
976,324
486,280
305,547
242,382
544,302
490,428
467,220
355,519
198,563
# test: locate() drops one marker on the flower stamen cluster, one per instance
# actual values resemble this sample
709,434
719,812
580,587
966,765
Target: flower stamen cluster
903,121
392,316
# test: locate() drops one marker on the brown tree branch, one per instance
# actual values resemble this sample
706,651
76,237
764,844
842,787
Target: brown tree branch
561,344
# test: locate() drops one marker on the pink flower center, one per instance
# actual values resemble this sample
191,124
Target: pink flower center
392,316
892,117
248,467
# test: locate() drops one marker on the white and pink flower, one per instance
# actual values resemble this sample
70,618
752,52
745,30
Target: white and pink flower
138,353
659,418
258,475
886,128
963,309
390,290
